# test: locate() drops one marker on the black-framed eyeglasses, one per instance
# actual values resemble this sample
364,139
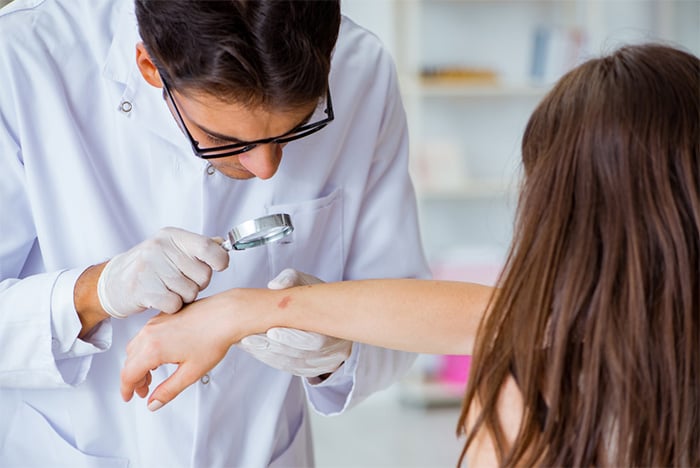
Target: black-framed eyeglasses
244,146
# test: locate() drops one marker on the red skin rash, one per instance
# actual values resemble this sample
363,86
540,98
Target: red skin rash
284,302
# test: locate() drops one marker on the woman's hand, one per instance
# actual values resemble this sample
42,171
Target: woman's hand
196,339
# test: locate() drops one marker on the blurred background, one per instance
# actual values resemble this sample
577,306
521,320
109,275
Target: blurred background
471,72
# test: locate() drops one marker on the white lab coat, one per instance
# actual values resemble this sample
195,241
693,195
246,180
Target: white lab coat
81,180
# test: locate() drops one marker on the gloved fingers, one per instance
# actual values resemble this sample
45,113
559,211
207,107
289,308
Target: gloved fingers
296,364
294,342
332,357
305,368
284,280
263,347
167,302
182,265
167,279
293,366
339,347
290,277
142,283
299,352
157,295
204,248
272,359
270,351
255,342
162,272
327,364
188,274
299,339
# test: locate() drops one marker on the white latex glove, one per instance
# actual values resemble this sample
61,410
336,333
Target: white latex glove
162,273
302,353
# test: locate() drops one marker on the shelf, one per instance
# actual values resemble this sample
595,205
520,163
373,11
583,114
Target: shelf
428,394
473,90
455,88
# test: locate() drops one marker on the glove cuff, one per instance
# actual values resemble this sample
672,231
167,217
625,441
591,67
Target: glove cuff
102,294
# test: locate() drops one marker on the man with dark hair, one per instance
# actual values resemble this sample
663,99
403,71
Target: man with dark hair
109,218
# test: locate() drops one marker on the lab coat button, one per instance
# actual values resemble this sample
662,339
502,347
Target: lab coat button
205,379
125,106
210,169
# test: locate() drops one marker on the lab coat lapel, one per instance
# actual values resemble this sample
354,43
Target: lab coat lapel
146,105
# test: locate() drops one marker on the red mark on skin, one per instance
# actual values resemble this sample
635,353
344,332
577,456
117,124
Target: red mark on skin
284,302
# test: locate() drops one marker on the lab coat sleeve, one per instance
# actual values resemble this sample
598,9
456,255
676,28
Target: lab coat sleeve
38,323
386,243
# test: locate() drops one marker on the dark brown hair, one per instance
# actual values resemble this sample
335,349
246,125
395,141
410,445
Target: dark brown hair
598,312
271,53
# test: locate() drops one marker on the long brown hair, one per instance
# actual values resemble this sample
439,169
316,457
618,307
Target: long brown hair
598,312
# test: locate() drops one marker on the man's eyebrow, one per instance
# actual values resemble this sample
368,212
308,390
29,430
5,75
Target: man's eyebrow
234,139
219,136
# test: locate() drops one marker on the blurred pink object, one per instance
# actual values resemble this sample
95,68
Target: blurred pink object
472,264
477,264
454,370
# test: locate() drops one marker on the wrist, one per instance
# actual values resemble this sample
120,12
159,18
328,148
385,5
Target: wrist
86,301
249,311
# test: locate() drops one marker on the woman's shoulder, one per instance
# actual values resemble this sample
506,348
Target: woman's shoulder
482,452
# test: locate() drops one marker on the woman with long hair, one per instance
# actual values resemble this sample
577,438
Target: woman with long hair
588,351
598,314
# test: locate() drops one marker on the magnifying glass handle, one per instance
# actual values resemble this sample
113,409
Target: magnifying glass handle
224,243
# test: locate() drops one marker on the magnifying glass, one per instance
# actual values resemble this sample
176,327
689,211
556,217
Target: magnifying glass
258,231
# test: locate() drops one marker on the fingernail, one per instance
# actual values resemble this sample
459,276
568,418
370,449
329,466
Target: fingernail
155,405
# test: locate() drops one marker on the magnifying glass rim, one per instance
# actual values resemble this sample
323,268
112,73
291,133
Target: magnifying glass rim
280,222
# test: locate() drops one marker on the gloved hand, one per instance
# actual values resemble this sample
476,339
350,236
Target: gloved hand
162,273
302,353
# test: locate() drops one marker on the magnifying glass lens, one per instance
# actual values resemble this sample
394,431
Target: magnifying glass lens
259,231
265,236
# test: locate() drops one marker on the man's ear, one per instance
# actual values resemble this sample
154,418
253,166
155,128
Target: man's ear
146,67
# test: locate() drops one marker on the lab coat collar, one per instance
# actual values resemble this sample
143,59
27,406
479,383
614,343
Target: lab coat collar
121,56
147,106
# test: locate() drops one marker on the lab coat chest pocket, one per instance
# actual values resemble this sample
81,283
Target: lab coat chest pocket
316,246
33,442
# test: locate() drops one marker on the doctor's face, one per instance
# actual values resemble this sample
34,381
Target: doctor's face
212,123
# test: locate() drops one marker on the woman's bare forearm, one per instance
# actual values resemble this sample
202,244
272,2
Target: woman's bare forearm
439,317
423,316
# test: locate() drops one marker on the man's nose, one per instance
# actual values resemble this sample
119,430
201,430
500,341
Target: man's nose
263,160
